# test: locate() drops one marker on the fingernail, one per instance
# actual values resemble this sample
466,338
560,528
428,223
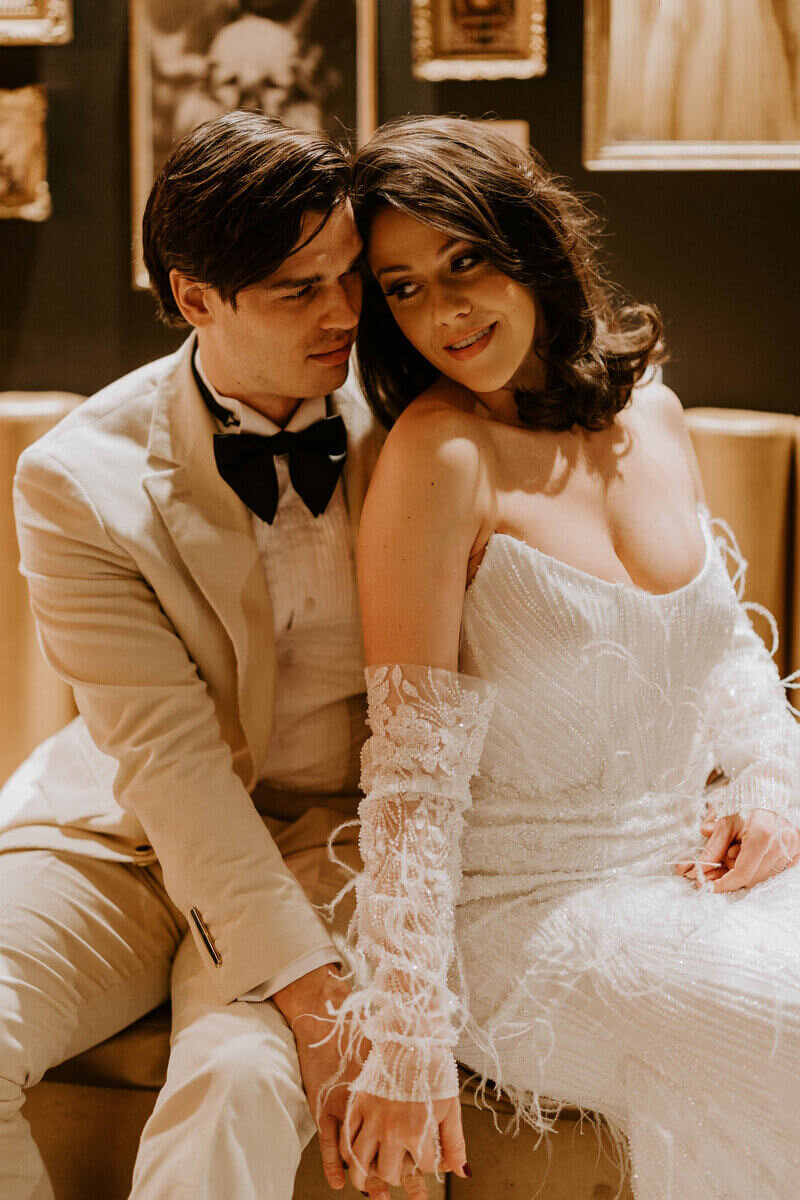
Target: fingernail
467,1170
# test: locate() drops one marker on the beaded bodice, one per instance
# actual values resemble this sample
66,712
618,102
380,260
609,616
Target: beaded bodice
595,759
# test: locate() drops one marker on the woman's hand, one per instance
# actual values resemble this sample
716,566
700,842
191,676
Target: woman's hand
750,850
383,1138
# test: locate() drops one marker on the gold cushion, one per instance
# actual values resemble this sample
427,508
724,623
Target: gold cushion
745,460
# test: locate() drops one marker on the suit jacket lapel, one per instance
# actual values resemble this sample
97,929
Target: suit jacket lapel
212,531
365,438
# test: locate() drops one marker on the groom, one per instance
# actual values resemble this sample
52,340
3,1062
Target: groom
188,540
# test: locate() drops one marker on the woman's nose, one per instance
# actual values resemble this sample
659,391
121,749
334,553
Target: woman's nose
447,306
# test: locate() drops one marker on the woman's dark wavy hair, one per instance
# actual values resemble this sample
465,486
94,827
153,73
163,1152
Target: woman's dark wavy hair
466,180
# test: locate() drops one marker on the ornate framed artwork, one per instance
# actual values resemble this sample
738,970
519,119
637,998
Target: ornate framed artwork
311,62
35,22
518,132
688,86
24,192
478,39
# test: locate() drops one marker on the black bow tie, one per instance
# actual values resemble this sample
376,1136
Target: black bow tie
246,461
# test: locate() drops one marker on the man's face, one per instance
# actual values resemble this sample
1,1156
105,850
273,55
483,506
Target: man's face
290,335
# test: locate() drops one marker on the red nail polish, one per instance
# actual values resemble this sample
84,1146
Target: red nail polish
467,1170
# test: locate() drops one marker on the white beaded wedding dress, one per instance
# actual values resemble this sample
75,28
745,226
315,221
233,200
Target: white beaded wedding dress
518,909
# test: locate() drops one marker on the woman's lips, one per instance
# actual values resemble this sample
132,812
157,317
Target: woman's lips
477,347
335,357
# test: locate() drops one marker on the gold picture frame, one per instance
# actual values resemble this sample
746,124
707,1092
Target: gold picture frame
24,191
676,97
155,126
517,131
478,39
35,22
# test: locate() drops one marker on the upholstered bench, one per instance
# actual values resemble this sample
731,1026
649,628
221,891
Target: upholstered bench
87,1115
42,703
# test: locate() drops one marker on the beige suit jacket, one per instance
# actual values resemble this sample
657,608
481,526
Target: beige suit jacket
150,600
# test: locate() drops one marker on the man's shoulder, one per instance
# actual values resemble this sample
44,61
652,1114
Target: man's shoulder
362,424
122,409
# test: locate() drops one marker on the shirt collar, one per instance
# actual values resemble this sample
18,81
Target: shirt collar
248,420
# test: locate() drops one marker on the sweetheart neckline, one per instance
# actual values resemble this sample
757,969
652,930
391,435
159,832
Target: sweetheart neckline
616,585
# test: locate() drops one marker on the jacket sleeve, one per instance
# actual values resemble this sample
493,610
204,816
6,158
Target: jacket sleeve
427,732
751,725
102,629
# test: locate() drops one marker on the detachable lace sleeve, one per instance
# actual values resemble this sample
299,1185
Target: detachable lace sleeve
427,732
755,736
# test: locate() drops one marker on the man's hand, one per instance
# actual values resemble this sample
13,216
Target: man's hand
303,1004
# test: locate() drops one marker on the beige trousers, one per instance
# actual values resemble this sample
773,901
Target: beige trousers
86,948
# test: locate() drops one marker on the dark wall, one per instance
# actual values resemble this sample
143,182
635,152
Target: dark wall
716,250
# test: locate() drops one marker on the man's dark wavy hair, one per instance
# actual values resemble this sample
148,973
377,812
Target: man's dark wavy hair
463,178
228,204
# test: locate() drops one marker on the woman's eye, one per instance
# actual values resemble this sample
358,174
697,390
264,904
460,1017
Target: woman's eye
401,291
463,262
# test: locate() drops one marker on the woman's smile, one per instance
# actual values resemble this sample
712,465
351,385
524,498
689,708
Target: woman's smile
473,344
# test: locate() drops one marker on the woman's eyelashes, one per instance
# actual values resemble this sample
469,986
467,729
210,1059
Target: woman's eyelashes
401,290
466,261
404,289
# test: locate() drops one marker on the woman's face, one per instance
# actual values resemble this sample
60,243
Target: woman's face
472,322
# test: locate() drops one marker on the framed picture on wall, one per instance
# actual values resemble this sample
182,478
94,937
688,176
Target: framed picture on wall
310,62
24,192
688,86
478,39
35,22
518,132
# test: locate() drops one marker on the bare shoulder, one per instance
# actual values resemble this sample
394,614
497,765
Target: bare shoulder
662,408
436,443
658,400
425,505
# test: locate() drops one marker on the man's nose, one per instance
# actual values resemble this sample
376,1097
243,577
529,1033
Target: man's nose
344,309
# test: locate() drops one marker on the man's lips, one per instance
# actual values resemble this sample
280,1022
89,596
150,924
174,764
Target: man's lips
475,347
335,356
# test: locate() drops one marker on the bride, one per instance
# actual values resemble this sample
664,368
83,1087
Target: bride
558,659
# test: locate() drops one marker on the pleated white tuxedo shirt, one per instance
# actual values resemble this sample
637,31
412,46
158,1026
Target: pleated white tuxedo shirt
320,707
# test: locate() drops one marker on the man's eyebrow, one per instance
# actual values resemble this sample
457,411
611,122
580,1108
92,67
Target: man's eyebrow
448,245
298,281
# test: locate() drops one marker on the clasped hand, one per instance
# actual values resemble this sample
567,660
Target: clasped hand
749,850
382,1142
386,1142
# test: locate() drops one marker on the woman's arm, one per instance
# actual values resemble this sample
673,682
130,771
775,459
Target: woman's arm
752,729
428,723
750,723
427,502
